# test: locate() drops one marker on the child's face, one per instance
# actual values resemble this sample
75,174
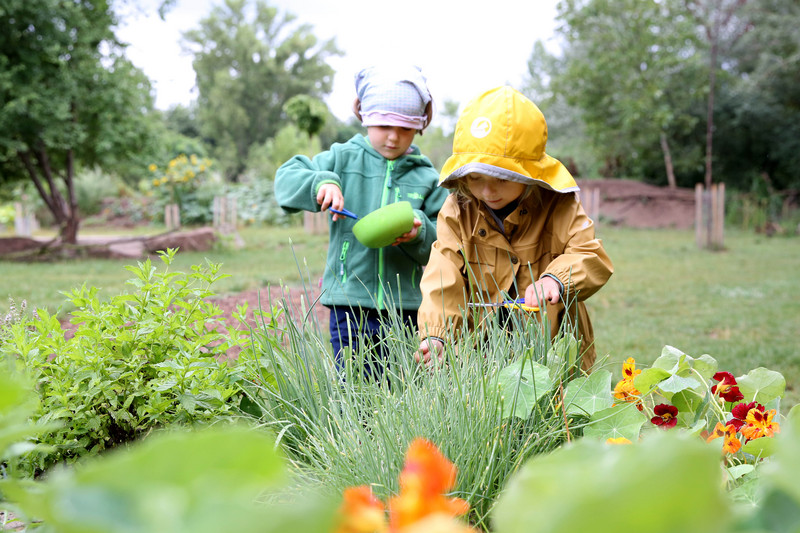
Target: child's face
495,193
390,141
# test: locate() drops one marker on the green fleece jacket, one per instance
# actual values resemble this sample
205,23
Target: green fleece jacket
356,275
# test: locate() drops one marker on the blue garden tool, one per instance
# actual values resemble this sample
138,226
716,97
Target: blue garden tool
343,212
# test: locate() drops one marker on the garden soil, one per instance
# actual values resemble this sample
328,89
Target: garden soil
621,203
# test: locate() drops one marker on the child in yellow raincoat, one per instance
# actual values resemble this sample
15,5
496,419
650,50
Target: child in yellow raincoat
512,228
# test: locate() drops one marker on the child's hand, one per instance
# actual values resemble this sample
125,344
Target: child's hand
545,290
330,195
411,235
428,349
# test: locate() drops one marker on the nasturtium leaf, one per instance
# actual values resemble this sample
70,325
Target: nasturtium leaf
663,484
761,447
761,385
783,468
737,471
675,384
587,395
672,359
706,366
649,379
564,348
522,384
623,420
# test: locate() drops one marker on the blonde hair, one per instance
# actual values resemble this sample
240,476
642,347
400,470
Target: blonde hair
461,191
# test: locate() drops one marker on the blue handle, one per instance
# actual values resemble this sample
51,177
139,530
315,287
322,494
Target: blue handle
343,212
512,302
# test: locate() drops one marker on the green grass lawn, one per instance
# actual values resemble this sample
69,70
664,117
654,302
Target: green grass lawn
739,305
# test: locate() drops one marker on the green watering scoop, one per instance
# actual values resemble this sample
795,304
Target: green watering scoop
383,226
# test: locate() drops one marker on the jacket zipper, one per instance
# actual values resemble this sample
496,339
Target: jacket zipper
387,186
342,258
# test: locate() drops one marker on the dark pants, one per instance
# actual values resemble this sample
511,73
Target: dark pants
367,327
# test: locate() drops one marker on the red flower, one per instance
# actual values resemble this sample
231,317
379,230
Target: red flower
727,387
666,416
739,413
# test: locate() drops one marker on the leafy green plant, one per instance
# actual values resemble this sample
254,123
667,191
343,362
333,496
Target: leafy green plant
679,391
492,404
201,481
669,482
141,361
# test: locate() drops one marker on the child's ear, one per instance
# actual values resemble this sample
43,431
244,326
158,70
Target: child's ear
357,109
428,115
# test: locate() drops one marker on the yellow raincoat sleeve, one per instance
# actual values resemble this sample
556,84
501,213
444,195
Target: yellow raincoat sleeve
579,260
444,291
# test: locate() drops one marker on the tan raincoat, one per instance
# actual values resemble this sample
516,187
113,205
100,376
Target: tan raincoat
502,134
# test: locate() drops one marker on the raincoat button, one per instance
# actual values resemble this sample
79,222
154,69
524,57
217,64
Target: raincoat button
482,232
523,212
514,259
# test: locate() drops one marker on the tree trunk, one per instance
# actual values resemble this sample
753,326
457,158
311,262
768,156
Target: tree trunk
712,80
668,161
64,213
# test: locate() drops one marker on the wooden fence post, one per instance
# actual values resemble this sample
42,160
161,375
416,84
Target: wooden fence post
591,202
172,216
709,216
315,223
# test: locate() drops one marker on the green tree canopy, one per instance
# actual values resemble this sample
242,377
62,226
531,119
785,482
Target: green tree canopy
249,61
68,97
633,70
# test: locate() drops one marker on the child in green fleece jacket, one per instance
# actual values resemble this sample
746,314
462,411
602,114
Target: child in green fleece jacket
361,285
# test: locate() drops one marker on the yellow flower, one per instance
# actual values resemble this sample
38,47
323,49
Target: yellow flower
618,440
760,424
629,371
156,182
193,160
153,167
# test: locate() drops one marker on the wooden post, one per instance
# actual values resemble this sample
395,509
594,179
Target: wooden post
225,214
709,216
699,226
718,216
315,223
172,216
590,198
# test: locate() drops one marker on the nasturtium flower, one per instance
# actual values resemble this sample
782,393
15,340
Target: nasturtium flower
665,416
759,423
728,432
739,413
361,512
727,387
426,477
629,371
626,392
618,440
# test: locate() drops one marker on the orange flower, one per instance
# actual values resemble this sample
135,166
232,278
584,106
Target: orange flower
626,392
361,512
618,440
426,477
731,444
759,423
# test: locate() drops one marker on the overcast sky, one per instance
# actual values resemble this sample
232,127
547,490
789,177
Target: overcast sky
463,47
